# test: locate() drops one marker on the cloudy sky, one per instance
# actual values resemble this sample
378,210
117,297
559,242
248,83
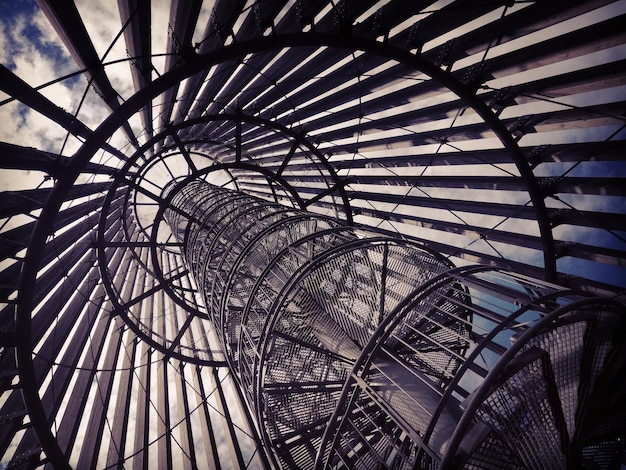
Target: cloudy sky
31,49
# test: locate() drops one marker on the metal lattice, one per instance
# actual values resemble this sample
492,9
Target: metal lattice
475,133
324,322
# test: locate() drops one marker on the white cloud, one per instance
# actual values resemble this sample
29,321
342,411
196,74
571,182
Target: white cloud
22,126
50,38
36,61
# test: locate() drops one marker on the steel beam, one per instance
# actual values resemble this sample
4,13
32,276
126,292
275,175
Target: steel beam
64,17
23,202
139,45
182,23
219,26
16,157
93,328
14,86
24,93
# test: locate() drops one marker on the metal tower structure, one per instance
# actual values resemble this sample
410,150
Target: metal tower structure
360,350
312,233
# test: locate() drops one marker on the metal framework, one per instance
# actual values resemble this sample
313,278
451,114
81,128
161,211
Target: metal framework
484,140
359,350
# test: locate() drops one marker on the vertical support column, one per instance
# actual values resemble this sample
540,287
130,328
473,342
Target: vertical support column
354,349
295,298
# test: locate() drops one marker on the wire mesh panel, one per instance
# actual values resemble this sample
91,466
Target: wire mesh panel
483,369
525,413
